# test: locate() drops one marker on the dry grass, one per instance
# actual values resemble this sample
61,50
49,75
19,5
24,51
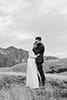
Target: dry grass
13,88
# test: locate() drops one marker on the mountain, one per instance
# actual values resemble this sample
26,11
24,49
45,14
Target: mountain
14,58
50,58
11,56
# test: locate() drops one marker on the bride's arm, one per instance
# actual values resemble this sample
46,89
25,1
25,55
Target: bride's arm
33,56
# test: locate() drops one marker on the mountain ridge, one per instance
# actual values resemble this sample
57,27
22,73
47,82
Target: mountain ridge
11,56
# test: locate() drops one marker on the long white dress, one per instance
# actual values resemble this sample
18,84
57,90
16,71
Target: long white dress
31,76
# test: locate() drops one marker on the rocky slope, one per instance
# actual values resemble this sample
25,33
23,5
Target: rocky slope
11,56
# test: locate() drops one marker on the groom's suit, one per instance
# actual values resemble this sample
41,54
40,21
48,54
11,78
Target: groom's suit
39,51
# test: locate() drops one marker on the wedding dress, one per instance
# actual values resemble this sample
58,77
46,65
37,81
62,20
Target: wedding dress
31,75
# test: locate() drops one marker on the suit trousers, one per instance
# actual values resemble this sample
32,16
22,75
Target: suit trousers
41,72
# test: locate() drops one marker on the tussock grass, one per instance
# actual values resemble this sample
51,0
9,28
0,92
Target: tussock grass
14,88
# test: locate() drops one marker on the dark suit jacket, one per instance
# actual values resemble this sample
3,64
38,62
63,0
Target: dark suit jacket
39,50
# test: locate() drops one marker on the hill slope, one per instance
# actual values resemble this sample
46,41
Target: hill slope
55,66
11,56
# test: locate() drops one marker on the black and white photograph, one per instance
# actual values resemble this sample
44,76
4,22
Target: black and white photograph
33,49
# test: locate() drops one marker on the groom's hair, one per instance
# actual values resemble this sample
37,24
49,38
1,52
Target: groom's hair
38,38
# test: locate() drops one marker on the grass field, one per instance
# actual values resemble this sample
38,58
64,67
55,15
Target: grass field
13,83
60,65
16,68
13,87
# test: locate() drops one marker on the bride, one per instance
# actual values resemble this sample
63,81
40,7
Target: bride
31,75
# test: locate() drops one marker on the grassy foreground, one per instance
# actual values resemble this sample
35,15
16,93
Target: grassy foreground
13,88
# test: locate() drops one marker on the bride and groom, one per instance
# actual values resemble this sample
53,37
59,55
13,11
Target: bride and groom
35,75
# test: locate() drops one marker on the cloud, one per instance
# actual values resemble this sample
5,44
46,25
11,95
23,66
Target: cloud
53,6
17,36
47,6
24,35
62,38
9,6
5,23
19,39
26,12
22,20
30,8
60,54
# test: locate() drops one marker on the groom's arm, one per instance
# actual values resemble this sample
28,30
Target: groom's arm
39,49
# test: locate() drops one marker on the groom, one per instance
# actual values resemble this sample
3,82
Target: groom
38,50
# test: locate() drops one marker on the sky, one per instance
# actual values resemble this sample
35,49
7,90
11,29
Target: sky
22,20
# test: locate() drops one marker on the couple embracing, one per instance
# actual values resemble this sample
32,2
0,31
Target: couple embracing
35,77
